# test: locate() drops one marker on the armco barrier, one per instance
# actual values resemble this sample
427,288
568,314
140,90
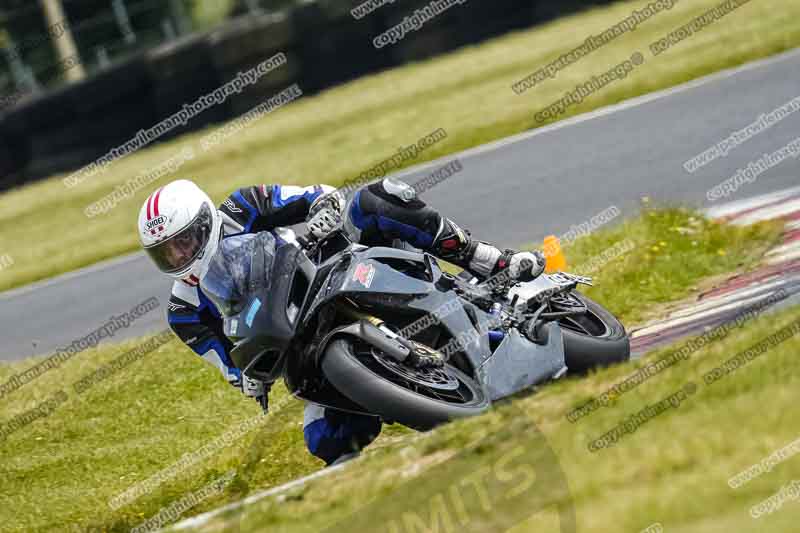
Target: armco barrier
71,126
244,44
8,164
14,150
235,44
341,48
103,112
181,72
436,36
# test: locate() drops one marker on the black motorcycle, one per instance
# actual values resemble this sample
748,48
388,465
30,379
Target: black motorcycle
385,331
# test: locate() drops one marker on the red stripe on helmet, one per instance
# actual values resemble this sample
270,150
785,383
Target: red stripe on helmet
149,203
155,201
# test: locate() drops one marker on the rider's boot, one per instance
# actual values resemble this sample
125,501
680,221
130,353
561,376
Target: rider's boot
481,259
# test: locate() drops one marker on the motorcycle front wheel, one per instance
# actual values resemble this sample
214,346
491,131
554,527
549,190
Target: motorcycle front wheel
594,339
417,398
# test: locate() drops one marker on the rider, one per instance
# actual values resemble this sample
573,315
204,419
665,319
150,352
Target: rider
180,229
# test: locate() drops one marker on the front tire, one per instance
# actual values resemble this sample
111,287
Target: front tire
596,339
356,371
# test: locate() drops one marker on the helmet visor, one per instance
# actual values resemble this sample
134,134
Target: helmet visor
182,249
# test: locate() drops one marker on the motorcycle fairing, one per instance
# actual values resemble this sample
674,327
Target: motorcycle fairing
518,364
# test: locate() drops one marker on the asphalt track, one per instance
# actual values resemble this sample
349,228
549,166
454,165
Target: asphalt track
511,192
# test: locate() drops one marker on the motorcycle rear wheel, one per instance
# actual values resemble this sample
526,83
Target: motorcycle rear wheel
419,399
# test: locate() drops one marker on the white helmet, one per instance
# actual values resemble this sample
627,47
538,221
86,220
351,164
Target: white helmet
180,229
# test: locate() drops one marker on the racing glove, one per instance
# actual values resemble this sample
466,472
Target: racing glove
325,214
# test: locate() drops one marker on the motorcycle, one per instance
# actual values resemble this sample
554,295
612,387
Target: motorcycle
346,327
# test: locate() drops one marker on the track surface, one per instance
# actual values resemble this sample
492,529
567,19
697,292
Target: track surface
512,192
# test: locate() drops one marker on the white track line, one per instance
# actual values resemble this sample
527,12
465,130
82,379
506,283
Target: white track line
790,248
739,304
754,202
785,258
769,213
713,301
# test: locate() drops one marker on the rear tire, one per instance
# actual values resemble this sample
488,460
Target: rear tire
599,345
365,385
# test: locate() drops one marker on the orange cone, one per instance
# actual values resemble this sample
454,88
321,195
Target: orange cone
554,255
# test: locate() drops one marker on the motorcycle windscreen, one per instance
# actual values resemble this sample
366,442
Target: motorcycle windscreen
238,270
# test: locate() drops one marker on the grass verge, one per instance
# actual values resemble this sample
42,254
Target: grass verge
335,136
666,253
147,416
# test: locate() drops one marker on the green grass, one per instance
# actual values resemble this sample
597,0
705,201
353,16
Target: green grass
672,250
64,469
142,420
335,136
